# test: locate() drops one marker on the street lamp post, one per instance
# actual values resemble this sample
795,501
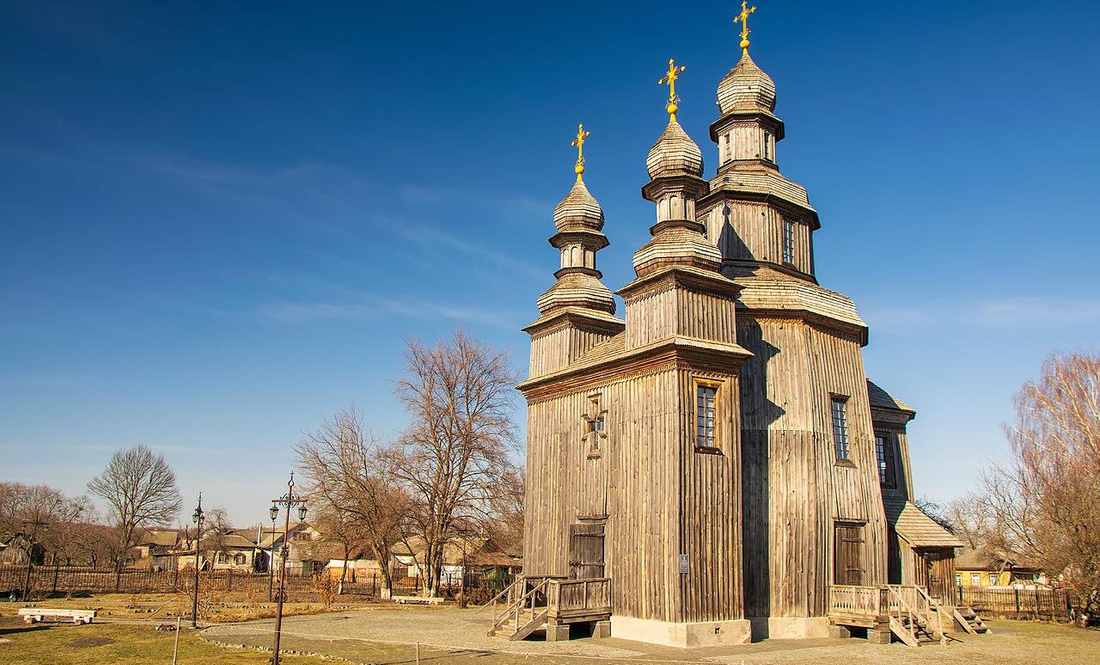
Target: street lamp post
198,517
289,500
271,557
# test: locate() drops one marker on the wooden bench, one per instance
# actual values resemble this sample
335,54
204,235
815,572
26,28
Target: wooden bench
418,600
39,614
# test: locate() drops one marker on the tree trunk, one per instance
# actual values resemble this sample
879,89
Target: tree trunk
344,572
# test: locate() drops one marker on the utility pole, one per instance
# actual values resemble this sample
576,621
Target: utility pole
289,500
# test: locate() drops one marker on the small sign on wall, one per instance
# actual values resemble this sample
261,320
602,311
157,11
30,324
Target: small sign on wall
685,566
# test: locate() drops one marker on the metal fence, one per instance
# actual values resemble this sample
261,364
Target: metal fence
43,580
1041,604
56,579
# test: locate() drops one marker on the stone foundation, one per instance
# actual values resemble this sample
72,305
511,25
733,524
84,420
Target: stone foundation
557,633
668,633
840,632
789,628
601,629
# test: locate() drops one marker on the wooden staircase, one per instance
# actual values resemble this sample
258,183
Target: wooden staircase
970,621
525,612
915,617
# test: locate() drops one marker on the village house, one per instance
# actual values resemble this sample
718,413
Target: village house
996,570
304,557
715,466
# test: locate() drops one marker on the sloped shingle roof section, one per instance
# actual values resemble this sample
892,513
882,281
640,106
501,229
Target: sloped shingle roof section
917,528
881,399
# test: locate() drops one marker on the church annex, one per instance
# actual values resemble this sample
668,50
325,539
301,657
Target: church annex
714,465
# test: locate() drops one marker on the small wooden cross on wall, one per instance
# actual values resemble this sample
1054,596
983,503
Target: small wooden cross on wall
594,421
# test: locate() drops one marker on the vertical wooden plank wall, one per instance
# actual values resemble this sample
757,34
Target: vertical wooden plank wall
758,235
794,490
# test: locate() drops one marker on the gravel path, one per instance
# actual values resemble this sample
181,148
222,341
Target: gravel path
458,636
444,628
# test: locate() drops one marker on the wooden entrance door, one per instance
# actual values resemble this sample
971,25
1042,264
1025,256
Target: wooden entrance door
586,551
849,565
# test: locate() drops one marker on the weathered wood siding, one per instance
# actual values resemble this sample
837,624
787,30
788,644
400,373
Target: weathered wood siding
753,231
793,487
660,497
668,312
555,349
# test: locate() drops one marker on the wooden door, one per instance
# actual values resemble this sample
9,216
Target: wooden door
849,566
586,551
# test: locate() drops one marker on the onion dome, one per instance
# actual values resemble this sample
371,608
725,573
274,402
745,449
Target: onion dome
746,88
578,210
674,154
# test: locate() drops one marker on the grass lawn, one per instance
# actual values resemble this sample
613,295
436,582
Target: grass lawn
109,644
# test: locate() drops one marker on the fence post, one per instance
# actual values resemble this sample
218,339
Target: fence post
1017,603
229,580
56,572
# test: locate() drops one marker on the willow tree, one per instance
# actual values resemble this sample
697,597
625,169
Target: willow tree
1046,499
459,395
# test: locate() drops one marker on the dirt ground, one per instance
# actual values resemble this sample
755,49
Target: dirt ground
458,636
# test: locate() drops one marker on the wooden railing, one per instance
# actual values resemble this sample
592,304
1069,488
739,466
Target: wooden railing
521,606
859,601
569,599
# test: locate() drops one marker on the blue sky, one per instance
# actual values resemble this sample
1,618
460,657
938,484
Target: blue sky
220,221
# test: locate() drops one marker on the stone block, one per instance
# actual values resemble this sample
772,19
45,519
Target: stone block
557,633
601,629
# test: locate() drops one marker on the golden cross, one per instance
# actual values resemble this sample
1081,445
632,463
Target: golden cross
670,77
743,19
579,142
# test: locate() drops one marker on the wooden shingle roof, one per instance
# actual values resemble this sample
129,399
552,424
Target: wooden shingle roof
880,399
917,528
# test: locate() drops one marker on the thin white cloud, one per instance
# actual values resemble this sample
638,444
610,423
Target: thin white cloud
369,305
1018,312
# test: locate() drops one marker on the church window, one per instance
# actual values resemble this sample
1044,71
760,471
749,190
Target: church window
705,403
840,427
594,426
884,453
767,145
788,241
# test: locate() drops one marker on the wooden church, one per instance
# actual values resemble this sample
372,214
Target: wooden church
714,466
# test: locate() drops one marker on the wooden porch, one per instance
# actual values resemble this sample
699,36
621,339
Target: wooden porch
550,604
907,611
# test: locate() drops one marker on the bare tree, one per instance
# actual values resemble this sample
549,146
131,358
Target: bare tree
453,454
970,521
140,490
341,528
1046,498
216,527
48,513
351,474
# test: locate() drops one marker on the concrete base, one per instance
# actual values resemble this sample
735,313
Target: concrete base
601,629
840,632
879,636
558,633
789,628
668,633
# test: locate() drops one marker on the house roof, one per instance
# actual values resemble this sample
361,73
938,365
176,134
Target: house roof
986,560
917,528
238,541
880,399
162,537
